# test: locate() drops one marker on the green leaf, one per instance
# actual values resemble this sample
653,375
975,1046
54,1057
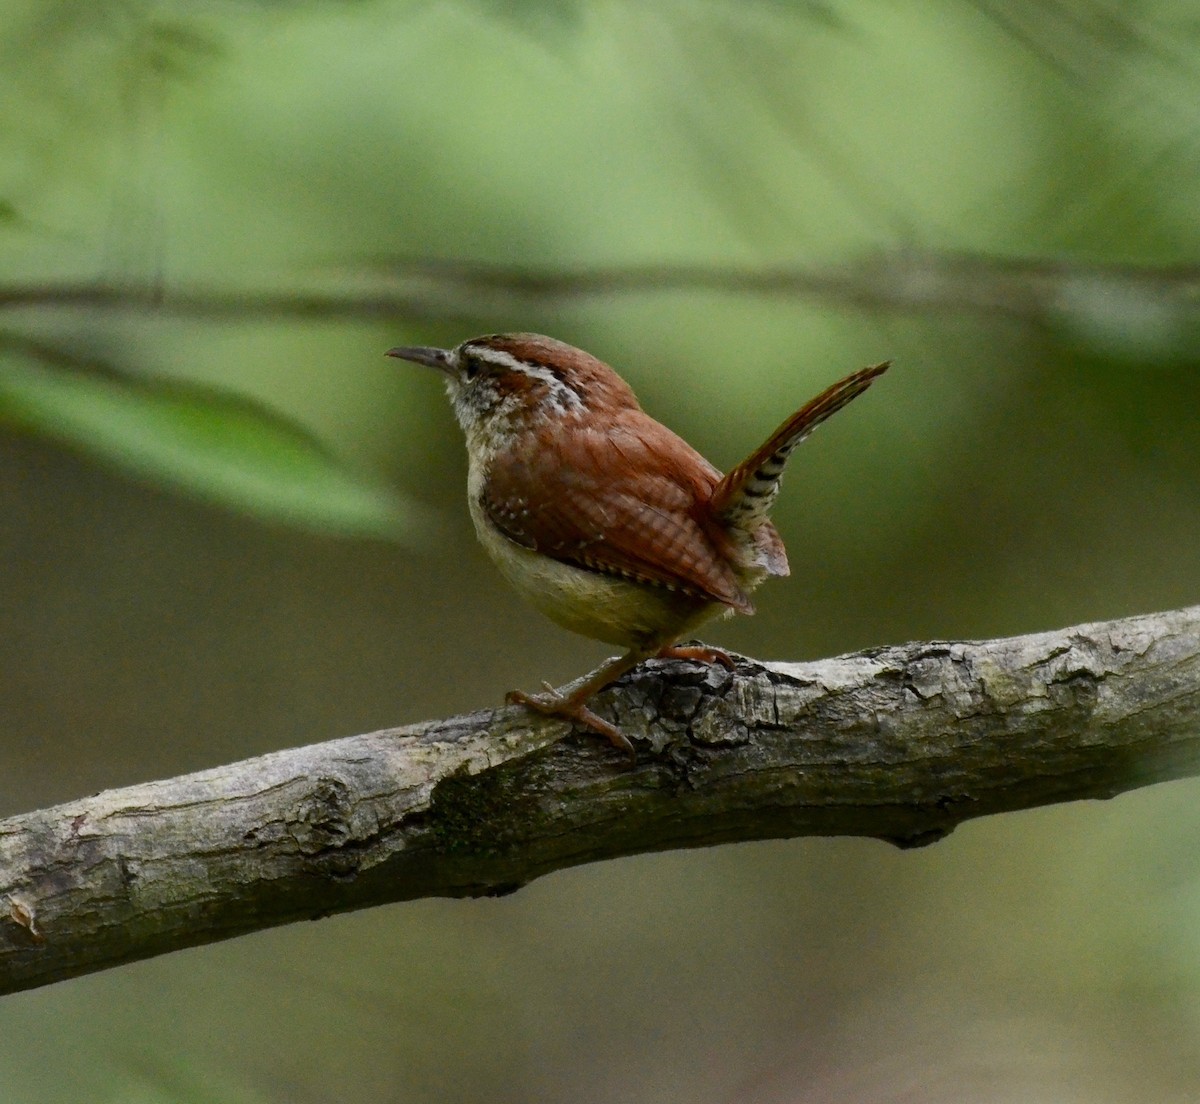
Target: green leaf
218,446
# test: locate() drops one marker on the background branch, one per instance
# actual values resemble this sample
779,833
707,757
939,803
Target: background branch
1031,289
900,743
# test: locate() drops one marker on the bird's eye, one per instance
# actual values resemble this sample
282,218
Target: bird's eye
472,366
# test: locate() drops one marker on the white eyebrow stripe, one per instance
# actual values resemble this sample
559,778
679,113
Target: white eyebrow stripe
497,357
561,393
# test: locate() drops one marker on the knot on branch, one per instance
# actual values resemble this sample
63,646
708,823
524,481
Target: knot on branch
322,818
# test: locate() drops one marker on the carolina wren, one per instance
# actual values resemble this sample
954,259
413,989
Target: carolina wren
605,520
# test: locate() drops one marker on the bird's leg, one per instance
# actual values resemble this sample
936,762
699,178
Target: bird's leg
572,706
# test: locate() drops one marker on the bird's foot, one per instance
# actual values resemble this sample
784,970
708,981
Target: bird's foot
701,653
554,704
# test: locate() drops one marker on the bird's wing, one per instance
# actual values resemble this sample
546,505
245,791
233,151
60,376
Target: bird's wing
624,500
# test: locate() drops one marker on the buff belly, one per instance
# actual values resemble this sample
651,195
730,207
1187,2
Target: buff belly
603,607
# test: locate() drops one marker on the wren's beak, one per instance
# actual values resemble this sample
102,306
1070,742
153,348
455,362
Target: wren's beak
420,354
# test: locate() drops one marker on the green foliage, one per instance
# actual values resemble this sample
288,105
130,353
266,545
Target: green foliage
211,444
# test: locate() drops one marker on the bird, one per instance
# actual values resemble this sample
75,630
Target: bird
603,518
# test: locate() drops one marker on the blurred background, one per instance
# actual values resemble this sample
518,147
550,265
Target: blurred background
229,525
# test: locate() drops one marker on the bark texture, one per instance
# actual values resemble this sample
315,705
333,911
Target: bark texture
900,743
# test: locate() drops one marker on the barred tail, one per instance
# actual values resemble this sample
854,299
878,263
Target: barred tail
744,497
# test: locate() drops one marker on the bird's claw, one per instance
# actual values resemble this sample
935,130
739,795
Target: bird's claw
699,653
553,704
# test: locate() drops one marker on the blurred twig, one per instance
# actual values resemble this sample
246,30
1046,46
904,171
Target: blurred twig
900,743
1030,289
218,303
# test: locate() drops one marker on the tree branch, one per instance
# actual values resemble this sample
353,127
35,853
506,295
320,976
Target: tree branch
1034,290
900,743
